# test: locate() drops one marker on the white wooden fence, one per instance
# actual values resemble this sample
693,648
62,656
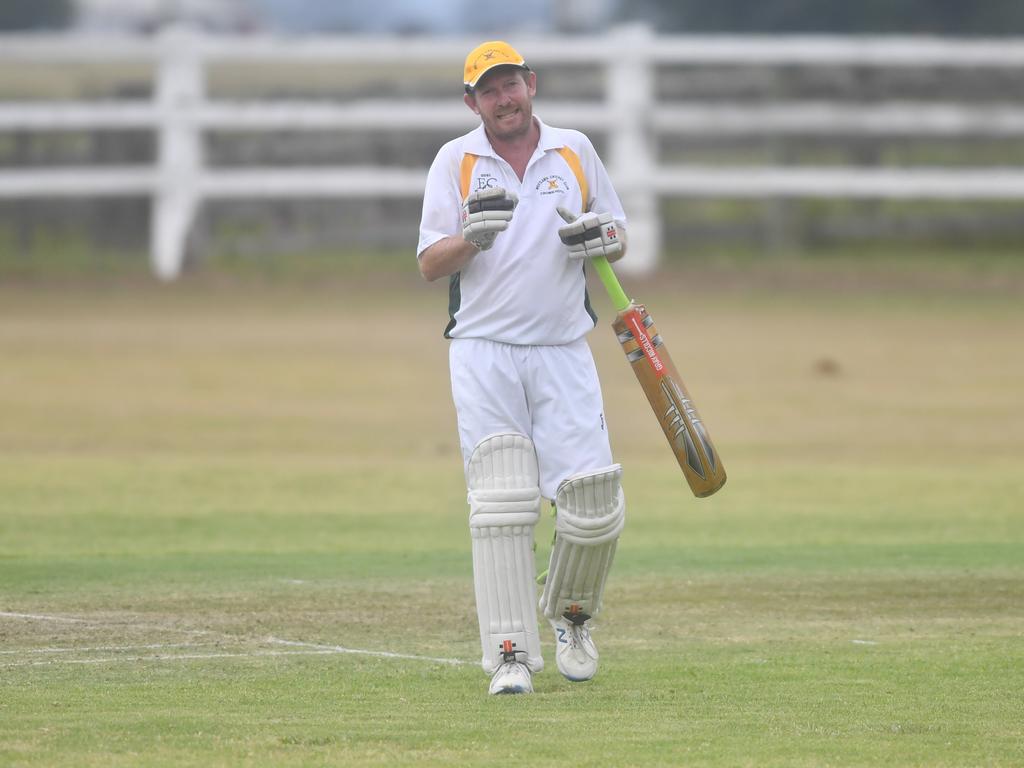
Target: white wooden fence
180,112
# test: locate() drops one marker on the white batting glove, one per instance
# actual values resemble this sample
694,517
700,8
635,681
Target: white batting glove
485,214
590,235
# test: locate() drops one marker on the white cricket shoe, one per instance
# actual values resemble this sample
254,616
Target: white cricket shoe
575,652
511,677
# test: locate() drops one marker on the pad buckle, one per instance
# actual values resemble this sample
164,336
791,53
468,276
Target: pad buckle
508,651
575,615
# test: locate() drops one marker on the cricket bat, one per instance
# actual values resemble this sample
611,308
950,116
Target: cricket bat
648,355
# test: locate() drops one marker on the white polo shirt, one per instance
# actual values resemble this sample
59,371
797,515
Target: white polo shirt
524,289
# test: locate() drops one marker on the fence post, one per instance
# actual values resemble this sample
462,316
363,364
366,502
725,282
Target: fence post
630,93
179,90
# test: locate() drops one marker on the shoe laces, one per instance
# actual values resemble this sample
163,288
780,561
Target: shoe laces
509,666
579,639
571,633
578,634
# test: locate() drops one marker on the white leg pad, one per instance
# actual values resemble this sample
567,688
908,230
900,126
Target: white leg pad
591,511
504,504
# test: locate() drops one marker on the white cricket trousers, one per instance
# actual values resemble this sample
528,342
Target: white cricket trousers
551,394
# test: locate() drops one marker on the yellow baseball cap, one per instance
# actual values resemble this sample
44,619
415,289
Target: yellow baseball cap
486,57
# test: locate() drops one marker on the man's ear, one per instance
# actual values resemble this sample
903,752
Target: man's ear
531,83
470,102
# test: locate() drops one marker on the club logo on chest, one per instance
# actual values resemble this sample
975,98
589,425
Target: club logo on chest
552,184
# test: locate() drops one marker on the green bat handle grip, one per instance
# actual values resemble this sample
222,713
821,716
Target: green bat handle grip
611,283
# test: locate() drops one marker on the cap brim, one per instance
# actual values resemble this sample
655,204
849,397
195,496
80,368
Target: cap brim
480,75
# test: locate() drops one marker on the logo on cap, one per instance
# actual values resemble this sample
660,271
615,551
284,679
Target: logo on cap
488,55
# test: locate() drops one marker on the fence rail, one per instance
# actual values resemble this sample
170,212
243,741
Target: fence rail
780,118
180,112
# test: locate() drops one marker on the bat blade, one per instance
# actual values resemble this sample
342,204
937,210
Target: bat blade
660,380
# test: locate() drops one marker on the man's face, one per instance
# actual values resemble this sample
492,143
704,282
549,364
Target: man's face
504,100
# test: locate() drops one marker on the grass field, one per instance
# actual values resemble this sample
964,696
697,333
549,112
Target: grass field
224,503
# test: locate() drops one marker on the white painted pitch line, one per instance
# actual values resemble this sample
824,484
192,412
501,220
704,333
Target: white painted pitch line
312,648
362,652
112,624
40,617
864,642
164,657
315,651
98,648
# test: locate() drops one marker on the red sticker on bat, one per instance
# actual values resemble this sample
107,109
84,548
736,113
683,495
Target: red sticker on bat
636,325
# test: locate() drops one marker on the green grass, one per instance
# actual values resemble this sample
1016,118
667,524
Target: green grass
215,467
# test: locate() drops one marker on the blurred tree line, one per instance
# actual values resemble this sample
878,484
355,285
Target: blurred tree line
36,14
938,17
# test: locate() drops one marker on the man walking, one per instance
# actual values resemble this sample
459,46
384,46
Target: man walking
526,392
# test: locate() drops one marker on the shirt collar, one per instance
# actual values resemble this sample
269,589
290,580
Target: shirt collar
548,139
478,144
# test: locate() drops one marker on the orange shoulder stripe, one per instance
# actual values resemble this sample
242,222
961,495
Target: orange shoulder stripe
466,173
573,161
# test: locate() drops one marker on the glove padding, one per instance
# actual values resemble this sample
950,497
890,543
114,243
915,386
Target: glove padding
485,214
590,235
